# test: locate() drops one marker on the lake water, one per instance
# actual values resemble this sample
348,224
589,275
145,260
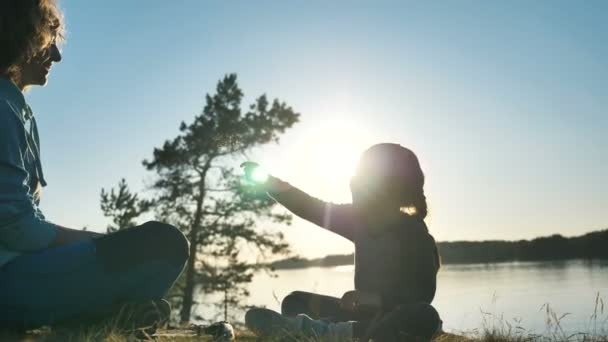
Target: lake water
471,296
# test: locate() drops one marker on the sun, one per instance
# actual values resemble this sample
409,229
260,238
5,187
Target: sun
335,158
330,155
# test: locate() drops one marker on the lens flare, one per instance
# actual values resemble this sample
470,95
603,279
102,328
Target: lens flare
258,175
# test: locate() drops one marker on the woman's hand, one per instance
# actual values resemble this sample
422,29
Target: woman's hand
258,178
68,235
356,300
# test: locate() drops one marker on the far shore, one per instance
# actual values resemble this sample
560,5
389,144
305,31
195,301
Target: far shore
589,246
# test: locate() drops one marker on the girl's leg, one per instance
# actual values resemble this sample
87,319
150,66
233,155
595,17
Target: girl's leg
89,278
314,305
305,313
318,306
273,325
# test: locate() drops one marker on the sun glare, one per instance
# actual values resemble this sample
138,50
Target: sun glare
330,156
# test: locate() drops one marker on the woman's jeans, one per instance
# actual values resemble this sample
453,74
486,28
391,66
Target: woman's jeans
91,277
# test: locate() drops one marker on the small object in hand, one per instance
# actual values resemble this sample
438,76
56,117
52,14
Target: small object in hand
254,173
220,331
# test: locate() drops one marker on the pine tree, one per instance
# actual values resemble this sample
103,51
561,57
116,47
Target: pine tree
122,206
198,189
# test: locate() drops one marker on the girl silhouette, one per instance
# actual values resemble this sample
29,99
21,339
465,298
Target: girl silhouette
396,259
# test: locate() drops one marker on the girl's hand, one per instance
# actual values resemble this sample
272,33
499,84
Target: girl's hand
257,177
360,301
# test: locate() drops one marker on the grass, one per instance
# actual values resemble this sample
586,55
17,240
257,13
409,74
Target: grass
493,329
102,334
497,329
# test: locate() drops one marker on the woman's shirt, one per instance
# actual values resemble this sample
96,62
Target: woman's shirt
22,225
400,263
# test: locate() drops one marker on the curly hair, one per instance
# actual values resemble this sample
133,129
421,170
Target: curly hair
27,27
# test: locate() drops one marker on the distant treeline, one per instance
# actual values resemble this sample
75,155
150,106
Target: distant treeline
593,245
328,261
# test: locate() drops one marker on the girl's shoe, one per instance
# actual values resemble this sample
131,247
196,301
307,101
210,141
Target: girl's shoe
220,331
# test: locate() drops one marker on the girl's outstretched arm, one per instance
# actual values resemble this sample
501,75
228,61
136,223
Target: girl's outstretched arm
338,218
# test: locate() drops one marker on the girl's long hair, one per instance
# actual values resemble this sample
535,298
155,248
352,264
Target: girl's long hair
396,171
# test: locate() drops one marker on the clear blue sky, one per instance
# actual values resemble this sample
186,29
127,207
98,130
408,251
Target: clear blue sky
506,103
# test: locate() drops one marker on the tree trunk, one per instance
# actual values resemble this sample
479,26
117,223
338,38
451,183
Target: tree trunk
226,305
194,241
188,295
